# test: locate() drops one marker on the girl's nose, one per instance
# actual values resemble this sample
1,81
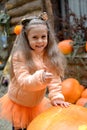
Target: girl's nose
39,40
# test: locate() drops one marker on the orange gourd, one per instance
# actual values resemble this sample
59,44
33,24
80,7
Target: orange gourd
71,90
17,29
86,46
0,62
65,46
57,118
84,93
81,101
82,87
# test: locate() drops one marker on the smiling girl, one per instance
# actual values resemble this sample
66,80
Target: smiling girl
36,64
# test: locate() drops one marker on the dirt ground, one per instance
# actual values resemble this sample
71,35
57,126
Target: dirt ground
4,125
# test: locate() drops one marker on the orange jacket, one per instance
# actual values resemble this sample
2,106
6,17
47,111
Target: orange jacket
28,89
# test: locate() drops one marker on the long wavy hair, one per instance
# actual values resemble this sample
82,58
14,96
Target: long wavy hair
52,53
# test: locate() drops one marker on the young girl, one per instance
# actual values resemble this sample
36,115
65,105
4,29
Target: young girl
35,65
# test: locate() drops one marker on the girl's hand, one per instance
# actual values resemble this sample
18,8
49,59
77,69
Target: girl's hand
47,77
43,76
60,102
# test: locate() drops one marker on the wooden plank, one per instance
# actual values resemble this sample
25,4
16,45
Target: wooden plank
26,8
15,3
16,20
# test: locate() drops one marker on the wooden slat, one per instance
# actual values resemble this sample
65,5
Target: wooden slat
15,3
16,20
22,10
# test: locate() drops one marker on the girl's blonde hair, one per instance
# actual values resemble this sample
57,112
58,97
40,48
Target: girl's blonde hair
52,53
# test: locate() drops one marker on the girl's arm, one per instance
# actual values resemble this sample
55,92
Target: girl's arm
23,77
55,90
55,93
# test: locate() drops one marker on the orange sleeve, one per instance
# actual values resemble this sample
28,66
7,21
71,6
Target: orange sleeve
55,89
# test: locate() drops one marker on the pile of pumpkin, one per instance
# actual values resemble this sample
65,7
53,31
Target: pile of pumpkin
67,47
71,118
74,92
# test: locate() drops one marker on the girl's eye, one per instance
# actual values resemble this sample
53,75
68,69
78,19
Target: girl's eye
35,37
44,36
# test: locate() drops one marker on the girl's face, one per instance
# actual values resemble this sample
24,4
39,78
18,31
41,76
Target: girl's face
38,36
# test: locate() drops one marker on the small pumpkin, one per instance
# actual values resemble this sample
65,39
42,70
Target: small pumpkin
81,101
71,89
0,62
82,87
66,46
57,118
17,29
84,93
86,46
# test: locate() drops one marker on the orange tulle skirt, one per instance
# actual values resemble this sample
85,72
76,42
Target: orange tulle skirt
20,116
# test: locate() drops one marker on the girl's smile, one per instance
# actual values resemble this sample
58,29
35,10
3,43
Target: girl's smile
38,36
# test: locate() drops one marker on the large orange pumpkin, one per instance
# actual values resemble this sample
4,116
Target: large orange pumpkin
65,46
71,89
57,118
